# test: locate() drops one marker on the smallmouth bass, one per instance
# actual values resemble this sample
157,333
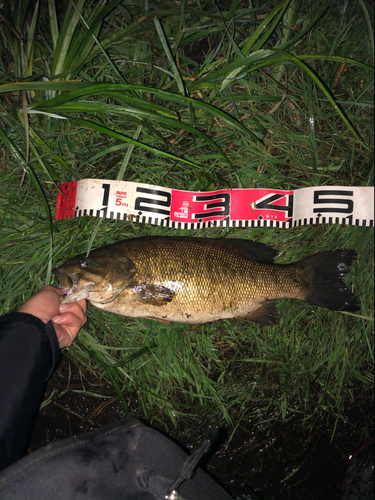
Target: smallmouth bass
199,280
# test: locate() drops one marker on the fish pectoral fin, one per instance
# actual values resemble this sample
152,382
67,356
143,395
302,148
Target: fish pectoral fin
265,315
155,295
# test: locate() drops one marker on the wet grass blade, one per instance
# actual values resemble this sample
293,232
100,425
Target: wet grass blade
22,163
105,130
54,26
327,94
129,152
370,27
84,42
94,107
167,50
258,38
161,94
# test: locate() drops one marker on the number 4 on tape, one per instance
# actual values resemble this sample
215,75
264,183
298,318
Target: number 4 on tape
159,205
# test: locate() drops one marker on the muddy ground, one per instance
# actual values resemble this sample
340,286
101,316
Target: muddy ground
283,462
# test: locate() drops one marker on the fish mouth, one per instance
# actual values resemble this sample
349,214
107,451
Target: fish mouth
67,281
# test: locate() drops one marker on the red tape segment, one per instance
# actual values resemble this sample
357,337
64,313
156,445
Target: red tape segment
66,200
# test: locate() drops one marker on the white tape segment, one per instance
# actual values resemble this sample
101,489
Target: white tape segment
162,206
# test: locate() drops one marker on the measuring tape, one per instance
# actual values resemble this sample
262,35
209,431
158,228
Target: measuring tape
173,208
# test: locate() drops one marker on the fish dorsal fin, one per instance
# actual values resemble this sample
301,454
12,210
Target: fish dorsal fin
265,315
255,249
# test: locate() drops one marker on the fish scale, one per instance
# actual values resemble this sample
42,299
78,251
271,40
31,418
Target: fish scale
208,280
199,280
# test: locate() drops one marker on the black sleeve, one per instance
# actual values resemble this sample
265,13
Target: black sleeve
29,354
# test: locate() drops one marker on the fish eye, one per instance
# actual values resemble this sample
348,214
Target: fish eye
83,264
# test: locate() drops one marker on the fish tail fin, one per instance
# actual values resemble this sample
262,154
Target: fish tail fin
324,273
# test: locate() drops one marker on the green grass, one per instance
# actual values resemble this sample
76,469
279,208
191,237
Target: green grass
197,97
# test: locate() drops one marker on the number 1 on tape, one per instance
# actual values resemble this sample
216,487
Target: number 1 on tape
162,206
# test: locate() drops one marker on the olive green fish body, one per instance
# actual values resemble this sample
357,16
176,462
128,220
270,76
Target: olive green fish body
196,280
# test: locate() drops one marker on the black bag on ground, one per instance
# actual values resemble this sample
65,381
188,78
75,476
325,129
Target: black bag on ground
123,461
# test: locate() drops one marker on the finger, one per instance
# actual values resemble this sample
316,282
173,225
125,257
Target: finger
82,304
65,337
75,308
70,319
50,288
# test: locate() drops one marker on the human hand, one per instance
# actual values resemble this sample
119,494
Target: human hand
67,319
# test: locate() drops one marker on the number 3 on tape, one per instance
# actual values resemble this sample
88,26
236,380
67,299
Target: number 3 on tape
162,206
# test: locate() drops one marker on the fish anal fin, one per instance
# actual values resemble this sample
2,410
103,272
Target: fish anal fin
266,314
158,319
155,295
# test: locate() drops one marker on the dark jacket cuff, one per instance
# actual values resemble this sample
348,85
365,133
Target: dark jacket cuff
47,332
